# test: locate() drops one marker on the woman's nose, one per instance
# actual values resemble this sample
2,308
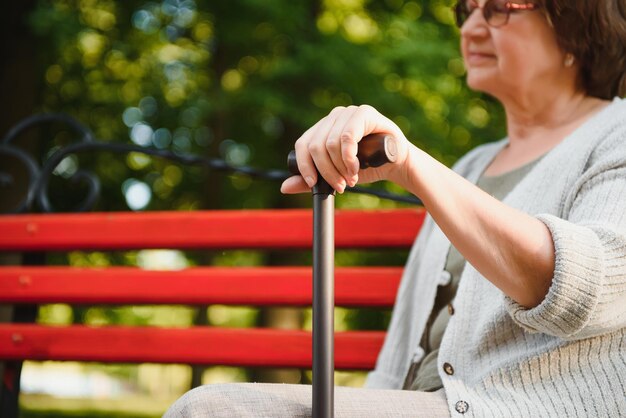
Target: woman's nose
475,25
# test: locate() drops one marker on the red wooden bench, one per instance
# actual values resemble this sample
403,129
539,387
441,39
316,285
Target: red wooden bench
207,345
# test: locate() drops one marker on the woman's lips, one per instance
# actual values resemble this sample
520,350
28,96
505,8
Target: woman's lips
474,58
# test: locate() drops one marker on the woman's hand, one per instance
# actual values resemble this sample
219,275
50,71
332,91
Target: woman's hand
486,233
331,146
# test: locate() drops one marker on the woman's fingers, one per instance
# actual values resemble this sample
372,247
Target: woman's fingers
306,166
312,154
353,131
325,166
330,147
318,147
349,150
363,121
294,184
335,144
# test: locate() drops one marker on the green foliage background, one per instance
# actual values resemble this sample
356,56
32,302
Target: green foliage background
241,80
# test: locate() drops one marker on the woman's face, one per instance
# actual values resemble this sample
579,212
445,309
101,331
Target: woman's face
515,60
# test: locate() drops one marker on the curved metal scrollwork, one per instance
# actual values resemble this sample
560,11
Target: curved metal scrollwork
6,179
39,178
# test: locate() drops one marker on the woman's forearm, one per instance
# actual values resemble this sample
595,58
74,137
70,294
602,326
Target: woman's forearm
510,248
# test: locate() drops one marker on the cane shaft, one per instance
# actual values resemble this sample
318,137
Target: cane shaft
323,301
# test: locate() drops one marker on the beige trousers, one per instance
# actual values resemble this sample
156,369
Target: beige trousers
282,400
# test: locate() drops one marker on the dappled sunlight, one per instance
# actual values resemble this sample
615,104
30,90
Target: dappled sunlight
146,389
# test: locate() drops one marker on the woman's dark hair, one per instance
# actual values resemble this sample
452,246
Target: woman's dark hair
594,31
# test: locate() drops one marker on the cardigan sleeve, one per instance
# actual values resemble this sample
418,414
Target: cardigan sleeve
587,296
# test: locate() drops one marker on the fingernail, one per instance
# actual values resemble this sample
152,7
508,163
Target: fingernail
342,186
309,181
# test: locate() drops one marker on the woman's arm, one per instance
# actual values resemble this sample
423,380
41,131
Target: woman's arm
510,248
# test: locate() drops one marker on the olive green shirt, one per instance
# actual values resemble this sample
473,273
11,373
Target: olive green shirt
424,375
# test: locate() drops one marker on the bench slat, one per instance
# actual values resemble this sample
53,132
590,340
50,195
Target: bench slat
205,229
261,286
354,350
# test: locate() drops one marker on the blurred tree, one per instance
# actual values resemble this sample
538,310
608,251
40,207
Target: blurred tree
242,79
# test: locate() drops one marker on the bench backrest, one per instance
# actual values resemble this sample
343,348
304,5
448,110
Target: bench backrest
259,286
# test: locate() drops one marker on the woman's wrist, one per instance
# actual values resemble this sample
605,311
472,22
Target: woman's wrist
409,173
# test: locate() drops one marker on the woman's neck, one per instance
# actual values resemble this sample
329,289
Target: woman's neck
535,130
550,117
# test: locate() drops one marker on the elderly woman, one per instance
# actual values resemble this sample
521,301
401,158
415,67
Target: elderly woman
513,301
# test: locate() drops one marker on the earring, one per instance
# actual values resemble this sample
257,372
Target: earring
569,60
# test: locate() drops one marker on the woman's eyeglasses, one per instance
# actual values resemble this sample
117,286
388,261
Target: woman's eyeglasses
495,12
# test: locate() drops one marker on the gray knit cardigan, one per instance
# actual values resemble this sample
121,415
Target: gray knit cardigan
565,357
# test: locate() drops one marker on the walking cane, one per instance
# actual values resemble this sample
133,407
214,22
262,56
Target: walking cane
374,151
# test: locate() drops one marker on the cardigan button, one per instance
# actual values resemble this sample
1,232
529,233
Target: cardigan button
450,309
447,367
461,407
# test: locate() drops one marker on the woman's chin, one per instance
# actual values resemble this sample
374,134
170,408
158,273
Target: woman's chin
480,82
474,85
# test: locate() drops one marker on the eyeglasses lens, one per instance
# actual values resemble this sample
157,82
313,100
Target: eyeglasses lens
462,11
495,12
